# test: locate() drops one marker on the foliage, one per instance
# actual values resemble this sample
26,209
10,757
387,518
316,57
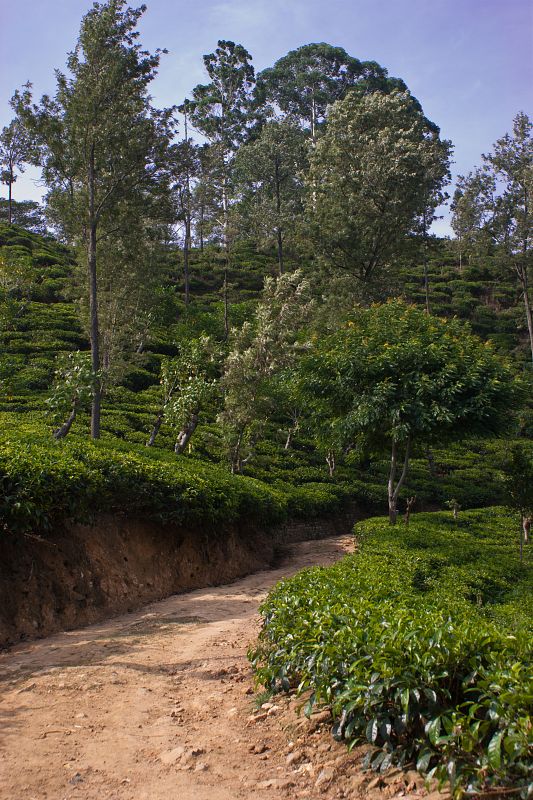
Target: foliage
307,80
44,482
370,178
259,353
492,206
72,388
101,146
394,375
189,383
420,643
269,176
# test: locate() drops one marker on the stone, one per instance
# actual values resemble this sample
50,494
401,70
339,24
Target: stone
171,756
324,776
294,757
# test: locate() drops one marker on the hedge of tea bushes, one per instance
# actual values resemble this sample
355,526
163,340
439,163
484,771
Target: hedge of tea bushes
421,643
44,482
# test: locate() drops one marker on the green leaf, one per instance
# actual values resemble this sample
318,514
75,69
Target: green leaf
494,750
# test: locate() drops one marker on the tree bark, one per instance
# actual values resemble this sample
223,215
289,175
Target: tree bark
185,434
93,301
279,233
186,250
330,460
155,430
525,291
426,276
63,430
394,490
10,201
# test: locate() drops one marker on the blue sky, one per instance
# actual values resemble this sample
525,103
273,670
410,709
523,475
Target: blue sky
469,62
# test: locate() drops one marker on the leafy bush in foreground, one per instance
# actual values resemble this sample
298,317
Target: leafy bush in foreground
421,645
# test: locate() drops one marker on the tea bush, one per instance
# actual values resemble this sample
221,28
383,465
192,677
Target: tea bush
43,482
421,644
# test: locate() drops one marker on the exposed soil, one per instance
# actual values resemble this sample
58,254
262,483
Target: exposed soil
158,705
81,574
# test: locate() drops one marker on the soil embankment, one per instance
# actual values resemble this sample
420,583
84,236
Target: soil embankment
80,574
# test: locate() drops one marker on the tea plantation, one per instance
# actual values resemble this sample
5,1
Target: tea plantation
41,319
421,643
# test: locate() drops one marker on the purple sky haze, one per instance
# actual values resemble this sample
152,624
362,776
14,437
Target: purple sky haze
469,62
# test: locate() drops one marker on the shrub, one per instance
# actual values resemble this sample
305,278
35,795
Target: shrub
421,645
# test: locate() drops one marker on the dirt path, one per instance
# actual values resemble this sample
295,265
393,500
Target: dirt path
158,705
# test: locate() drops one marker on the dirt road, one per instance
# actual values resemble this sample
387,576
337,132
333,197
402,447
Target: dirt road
158,705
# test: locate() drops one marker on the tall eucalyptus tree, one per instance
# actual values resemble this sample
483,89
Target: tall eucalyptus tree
102,144
220,110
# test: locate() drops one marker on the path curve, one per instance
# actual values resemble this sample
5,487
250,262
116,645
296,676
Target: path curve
154,704
159,705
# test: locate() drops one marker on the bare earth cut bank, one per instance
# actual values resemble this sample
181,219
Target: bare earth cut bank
159,705
83,574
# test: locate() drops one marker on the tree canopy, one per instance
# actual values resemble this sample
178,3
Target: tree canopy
371,175
395,376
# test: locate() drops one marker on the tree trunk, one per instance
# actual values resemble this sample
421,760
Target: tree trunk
330,460
431,461
185,434
525,291
426,276
10,201
201,227
279,234
394,490
187,242
155,430
93,303
62,431
526,528
225,210
186,250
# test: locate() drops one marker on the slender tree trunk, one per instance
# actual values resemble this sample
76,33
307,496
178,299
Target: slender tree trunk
292,430
526,527
330,460
426,276
201,227
186,250
527,304
185,434
93,303
431,461
394,490
225,211
63,430
236,460
155,430
279,233
10,201
187,242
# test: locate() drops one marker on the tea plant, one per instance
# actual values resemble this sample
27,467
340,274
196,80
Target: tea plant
421,645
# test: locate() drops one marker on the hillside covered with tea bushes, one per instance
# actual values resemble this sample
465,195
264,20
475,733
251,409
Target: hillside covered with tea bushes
41,319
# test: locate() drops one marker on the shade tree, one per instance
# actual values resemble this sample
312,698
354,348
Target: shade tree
269,173
259,355
376,170
101,143
303,83
15,151
394,377
493,207
189,383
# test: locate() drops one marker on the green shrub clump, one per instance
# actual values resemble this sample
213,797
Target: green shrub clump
420,643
